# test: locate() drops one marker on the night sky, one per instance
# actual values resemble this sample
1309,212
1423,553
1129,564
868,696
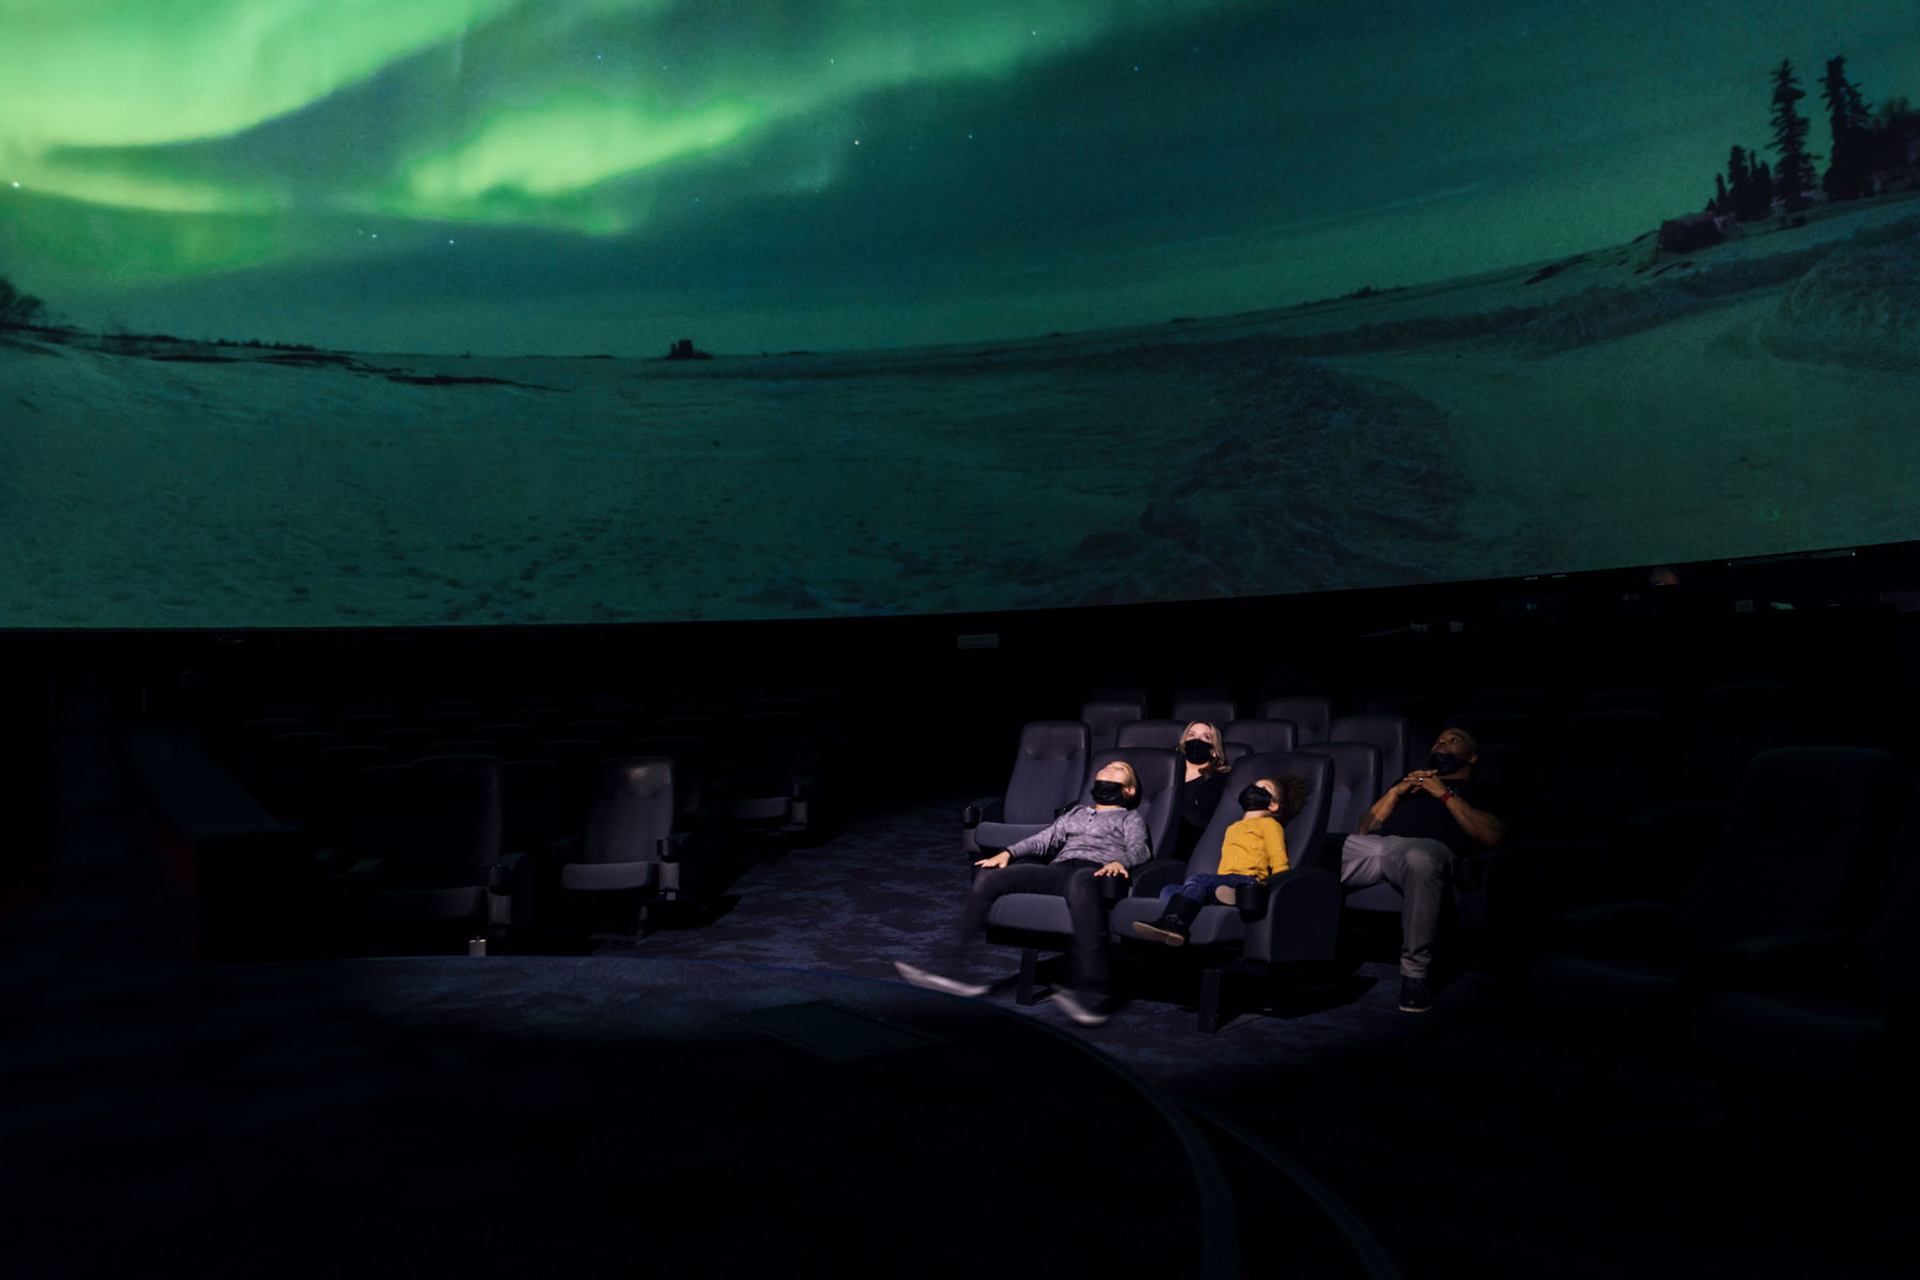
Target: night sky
575,176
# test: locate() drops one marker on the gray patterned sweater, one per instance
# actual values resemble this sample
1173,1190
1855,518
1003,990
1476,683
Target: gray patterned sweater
1087,834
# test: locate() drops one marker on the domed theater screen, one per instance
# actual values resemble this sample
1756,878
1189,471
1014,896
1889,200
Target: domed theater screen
323,313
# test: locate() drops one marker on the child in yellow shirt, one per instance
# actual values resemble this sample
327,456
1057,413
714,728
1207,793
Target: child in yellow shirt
1253,849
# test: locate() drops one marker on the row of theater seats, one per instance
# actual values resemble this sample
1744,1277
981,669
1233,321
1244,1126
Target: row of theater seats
1647,748
534,816
1815,805
1296,920
1056,761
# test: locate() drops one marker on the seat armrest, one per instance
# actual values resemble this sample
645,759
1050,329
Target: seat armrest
674,845
985,809
1302,918
1155,874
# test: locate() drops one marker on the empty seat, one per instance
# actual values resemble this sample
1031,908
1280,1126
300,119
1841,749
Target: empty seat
1311,715
1356,783
1264,735
1215,706
629,843
426,839
1387,732
1162,735
772,774
1049,769
1104,716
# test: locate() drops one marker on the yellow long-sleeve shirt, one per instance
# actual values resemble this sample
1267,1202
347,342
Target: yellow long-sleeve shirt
1254,846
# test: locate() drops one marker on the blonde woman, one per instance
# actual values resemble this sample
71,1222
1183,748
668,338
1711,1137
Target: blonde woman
1202,784
1088,842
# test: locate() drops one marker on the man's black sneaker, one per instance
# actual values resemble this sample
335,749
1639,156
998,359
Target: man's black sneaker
1414,995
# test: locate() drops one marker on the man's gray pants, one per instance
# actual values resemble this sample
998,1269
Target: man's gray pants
1419,868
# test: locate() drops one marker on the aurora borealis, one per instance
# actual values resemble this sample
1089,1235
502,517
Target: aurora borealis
606,175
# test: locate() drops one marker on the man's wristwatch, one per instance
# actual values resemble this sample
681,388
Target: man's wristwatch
1451,795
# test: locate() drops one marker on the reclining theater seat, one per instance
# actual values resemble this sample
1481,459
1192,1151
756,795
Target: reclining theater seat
1303,901
1299,920
1164,734
1049,771
1105,715
1262,735
1159,807
1215,706
1387,732
1311,715
1356,783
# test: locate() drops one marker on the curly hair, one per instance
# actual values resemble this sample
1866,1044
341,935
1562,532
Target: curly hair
1292,795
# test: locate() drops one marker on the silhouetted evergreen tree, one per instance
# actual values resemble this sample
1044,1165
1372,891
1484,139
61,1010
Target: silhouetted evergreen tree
17,309
1850,124
1749,190
1894,124
1795,175
1722,203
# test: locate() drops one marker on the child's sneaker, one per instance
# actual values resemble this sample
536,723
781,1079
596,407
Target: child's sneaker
1162,930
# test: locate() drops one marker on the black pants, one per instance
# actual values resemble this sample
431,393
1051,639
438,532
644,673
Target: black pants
1087,959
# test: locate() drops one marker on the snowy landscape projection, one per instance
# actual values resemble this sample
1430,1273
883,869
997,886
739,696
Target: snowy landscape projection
335,312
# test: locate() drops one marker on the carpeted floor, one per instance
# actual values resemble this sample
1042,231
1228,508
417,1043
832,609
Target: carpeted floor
1491,1135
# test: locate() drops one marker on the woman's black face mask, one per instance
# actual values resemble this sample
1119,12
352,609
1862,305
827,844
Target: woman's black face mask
1198,750
1109,792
